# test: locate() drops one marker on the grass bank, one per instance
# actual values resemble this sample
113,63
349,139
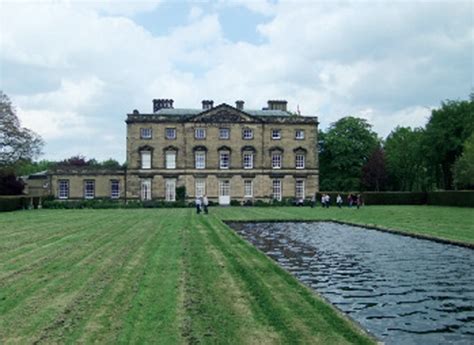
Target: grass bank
151,276
449,223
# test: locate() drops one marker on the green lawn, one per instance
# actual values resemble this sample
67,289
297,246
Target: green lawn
170,276
162,276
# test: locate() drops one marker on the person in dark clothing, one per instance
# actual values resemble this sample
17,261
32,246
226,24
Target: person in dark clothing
205,204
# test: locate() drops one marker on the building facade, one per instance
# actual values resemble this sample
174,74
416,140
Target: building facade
225,152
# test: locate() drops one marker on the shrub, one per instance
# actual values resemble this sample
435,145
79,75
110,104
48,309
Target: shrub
451,198
234,203
181,193
13,203
394,198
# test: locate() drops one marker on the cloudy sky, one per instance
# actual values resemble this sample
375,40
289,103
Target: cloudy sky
74,69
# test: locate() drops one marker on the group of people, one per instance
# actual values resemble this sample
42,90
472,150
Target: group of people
202,204
352,200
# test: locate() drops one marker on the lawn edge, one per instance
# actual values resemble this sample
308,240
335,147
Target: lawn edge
468,245
354,323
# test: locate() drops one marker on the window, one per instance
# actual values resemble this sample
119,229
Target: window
247,133
145,133
146,189
299,134
89,189
146,159
224,133
299,161
276,134
200,133
114,189
170,160
63,189
276,160
299,190
200,188
248,160
200,159
276,189
170,193
170,133
248,188
224,160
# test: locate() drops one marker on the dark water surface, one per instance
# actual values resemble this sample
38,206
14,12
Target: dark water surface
403,290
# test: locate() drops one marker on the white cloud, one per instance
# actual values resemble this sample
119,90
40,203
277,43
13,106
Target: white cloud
384,61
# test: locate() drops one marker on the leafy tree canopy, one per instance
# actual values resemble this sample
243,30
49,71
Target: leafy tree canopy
405,163
374,171
464,166
344,149
16,143
447,130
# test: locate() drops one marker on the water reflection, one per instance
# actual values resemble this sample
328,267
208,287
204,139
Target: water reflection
403,290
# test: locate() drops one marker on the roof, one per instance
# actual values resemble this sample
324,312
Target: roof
188,112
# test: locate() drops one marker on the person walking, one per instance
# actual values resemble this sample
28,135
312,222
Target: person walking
205,203
359,201
198,205
323,200
313,200
349,200
339,200
328,200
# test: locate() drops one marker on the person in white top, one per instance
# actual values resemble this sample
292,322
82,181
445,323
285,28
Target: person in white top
198,205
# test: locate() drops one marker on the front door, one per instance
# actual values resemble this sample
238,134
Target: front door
224,192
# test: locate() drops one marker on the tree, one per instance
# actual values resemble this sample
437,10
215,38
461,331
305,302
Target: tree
16,142
374,172
344,149
447,130
9,183
464,166
110,164
405,161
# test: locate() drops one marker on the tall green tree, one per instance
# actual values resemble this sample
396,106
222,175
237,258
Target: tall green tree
344,149
16,143
464,166
405,160
446,131
374,171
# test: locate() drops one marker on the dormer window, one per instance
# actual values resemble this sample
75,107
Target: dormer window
145,133
247,133
200,133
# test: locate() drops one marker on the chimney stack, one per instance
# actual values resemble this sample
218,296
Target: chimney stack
162,104
207,104
277,105
239,105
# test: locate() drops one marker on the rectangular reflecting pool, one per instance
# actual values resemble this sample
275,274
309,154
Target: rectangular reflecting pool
401,289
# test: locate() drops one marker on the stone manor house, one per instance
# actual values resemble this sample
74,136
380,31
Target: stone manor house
226,152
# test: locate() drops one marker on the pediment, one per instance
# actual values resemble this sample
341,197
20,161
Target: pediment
224,113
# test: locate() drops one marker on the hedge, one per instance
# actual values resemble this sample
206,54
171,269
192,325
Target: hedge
13,203
441,198
394,198
464,198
